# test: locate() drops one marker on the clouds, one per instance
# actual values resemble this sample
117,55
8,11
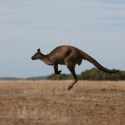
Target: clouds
71,15
57,15
111,2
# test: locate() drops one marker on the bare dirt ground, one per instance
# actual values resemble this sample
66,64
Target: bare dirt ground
49,103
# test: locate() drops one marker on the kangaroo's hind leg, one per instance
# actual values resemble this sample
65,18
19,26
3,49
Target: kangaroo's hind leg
71,66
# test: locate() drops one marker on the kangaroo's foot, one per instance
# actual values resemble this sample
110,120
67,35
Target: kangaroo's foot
71,85
58,72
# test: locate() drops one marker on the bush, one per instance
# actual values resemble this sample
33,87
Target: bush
96,74
92,74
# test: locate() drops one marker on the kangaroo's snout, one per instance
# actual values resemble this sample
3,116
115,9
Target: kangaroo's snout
32,58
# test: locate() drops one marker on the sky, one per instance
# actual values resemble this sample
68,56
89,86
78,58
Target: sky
95,26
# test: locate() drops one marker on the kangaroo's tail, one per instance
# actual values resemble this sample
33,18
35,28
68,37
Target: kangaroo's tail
98,65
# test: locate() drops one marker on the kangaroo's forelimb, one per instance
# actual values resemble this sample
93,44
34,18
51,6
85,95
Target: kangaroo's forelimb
56,69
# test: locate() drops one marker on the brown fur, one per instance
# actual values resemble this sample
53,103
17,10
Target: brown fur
69,56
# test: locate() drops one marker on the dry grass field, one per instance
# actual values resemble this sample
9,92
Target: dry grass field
44,102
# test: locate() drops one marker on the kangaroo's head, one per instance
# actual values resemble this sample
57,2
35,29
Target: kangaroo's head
37,55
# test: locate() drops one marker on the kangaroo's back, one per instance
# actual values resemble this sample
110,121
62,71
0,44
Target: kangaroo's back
61,52
63,49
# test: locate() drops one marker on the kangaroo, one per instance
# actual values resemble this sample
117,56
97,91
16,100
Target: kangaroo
69,56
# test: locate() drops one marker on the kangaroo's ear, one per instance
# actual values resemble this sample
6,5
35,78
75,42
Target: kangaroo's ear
38,50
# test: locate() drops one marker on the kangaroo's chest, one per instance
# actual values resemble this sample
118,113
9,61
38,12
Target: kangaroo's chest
48,61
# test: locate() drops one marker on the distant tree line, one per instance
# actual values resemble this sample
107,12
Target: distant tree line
92,74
